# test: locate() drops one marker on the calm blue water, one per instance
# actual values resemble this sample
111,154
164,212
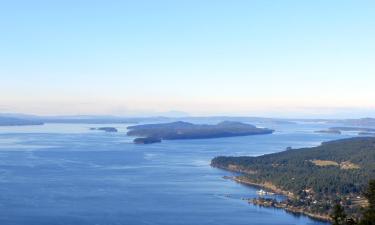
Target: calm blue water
67,174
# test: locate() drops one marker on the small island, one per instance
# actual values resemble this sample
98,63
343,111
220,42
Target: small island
147,140
339,130
329,131
185,130
106,129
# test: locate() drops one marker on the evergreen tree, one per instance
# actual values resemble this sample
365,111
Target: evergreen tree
369,213
351,221
338,215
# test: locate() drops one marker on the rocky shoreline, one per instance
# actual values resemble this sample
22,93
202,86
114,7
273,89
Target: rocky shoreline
272,203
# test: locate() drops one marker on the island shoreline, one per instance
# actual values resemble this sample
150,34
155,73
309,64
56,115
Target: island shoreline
269,186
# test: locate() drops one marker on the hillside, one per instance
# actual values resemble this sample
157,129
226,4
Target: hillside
315,177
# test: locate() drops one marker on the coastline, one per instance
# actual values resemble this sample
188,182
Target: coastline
267,185
271,187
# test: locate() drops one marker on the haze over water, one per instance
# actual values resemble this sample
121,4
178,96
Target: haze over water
67,174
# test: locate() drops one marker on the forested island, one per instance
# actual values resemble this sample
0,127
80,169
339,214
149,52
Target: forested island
106,129
185,130
328,131
338,130
313,179
147,140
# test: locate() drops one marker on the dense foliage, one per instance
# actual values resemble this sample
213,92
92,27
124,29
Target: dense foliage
369,212
293,169
339,216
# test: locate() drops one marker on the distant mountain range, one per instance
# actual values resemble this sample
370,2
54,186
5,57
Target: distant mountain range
25,119
11,121
101,119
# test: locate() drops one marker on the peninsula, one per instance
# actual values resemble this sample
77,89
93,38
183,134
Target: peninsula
311,178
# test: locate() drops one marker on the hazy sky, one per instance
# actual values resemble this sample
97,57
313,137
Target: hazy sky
203,57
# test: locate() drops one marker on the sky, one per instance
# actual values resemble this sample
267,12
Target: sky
275,58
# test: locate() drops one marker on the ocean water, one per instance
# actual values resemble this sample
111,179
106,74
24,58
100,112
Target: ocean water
67,174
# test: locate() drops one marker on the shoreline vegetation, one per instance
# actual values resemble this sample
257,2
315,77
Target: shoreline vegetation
313,179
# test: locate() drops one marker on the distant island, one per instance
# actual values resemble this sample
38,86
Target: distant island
106,129
329,131
11,121
147,140
185,130
358,122
362,129
311,178
367,133
339,130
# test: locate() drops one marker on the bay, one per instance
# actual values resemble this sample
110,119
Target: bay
68,174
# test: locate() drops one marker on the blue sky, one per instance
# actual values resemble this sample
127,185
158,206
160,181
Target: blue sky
272,58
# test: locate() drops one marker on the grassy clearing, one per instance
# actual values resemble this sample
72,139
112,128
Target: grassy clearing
347,165
325,163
